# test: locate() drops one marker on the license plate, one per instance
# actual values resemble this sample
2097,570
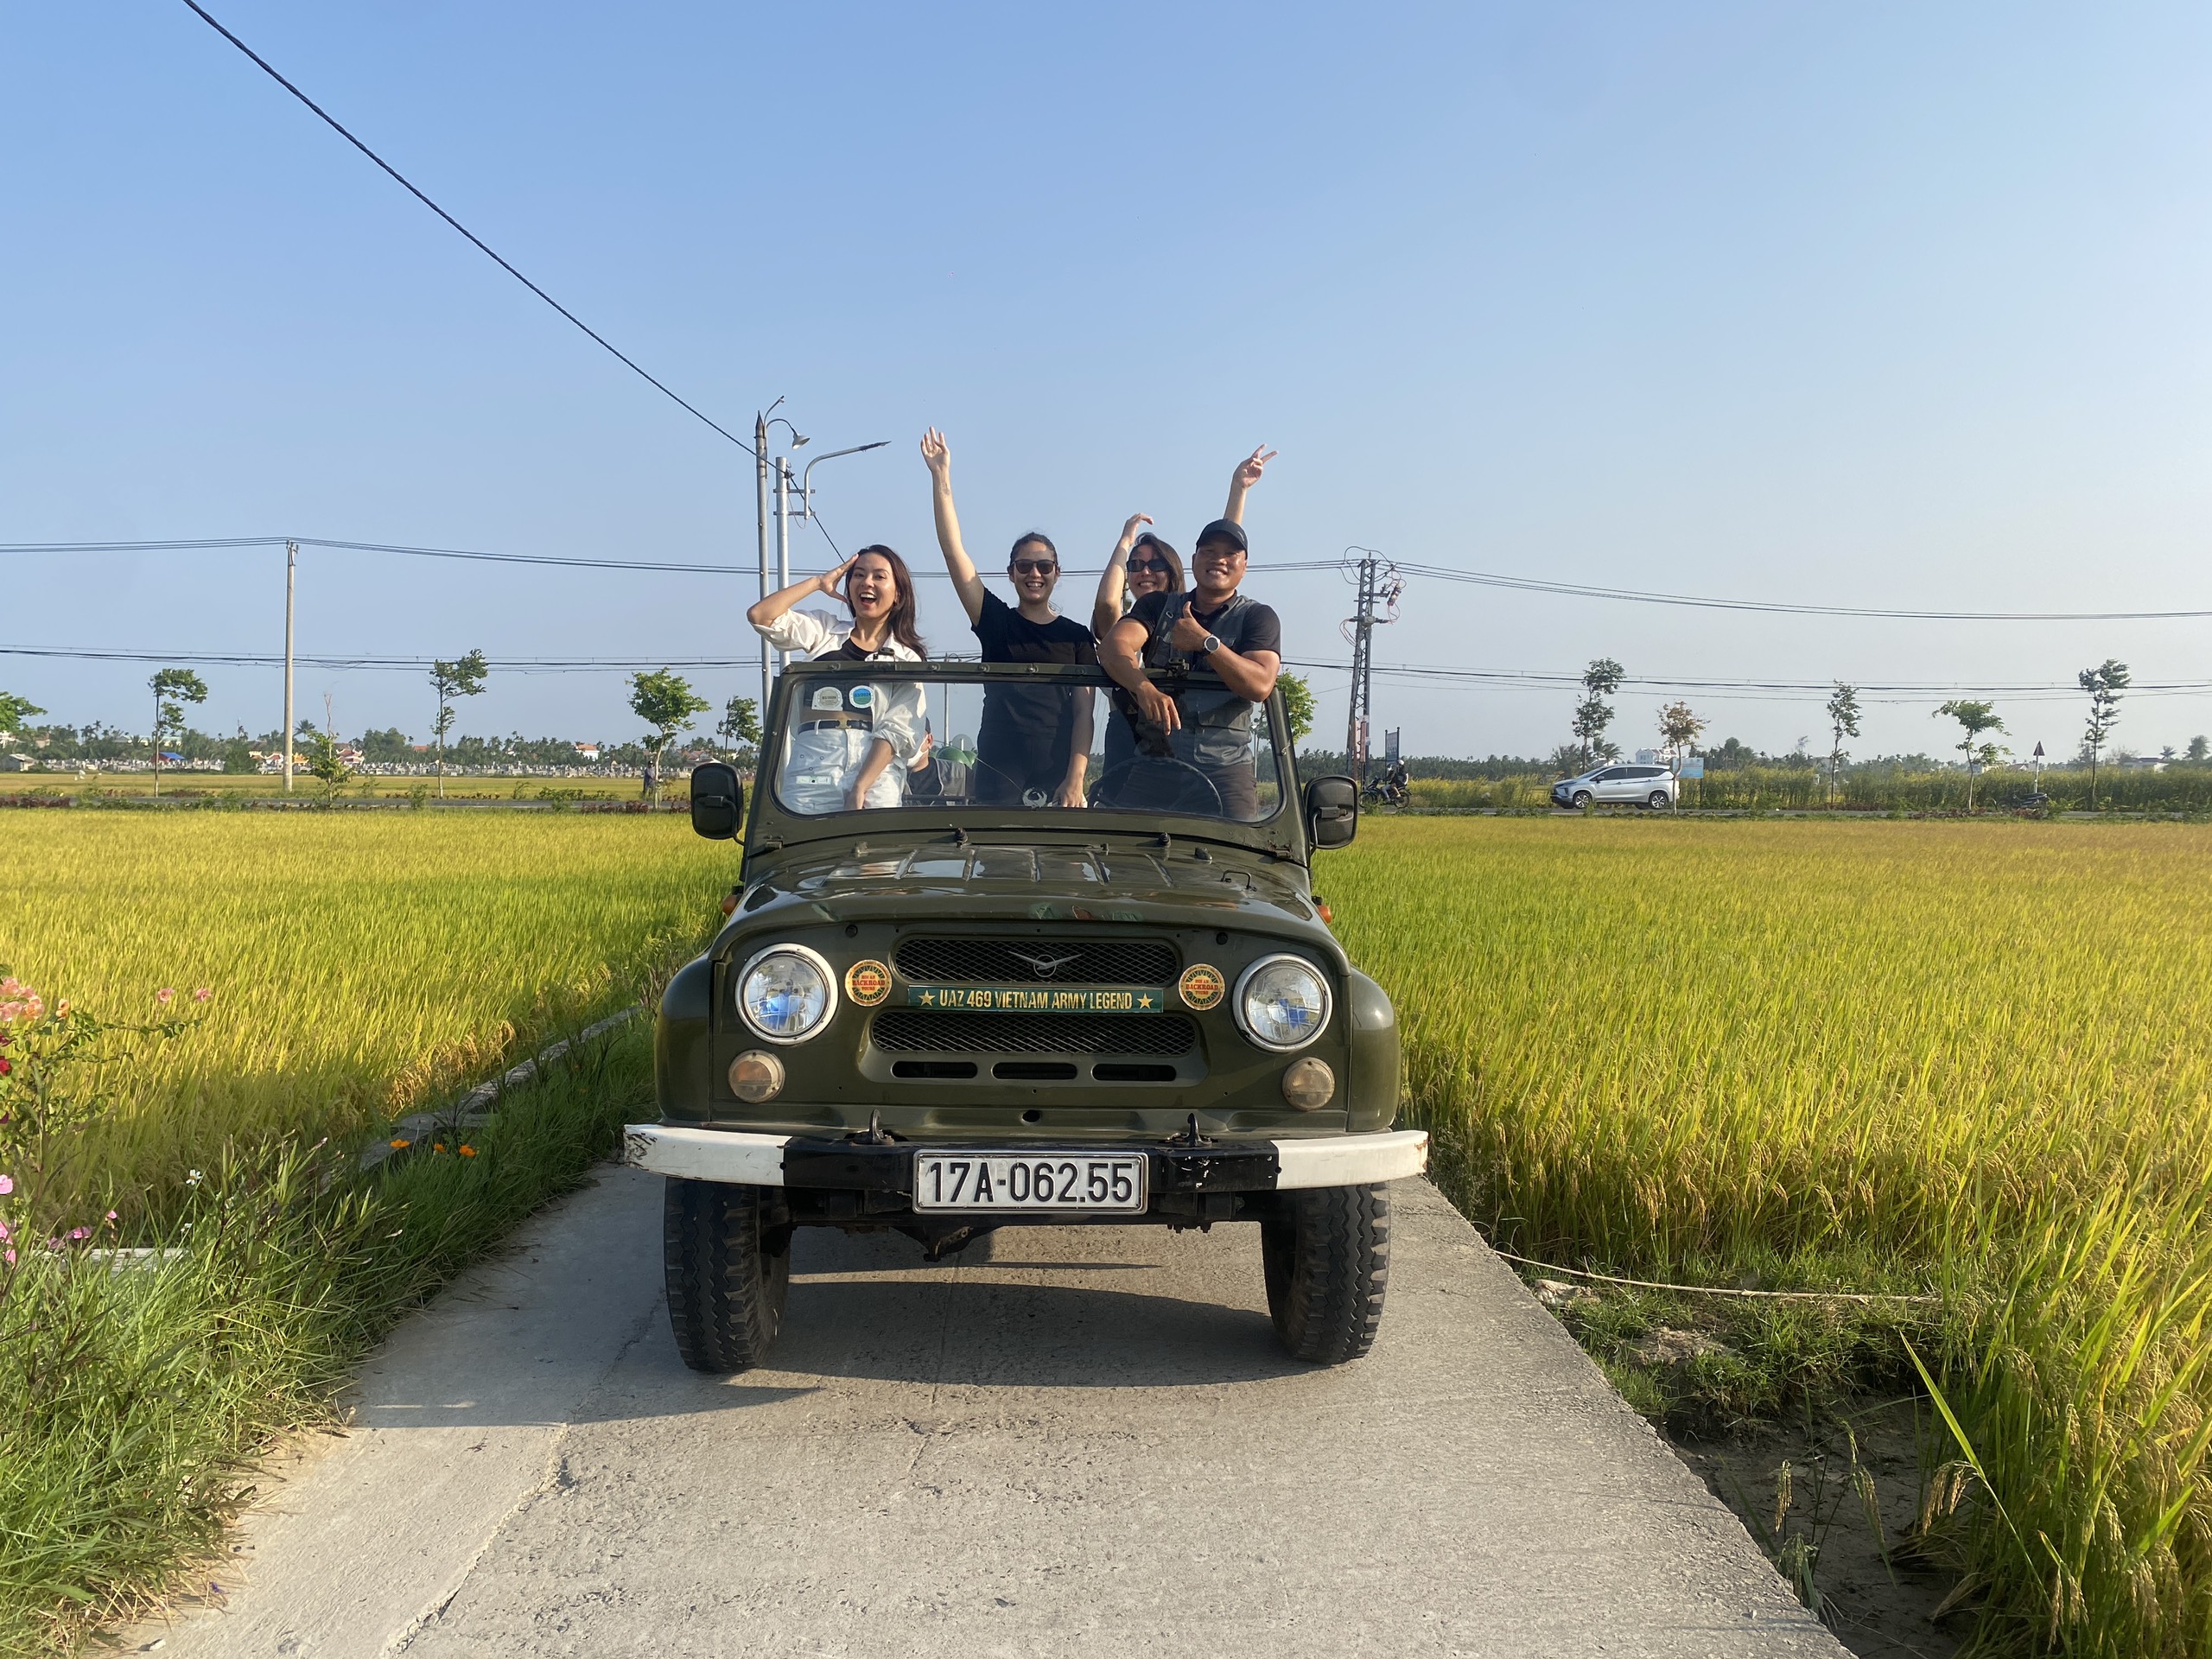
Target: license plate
1030,1180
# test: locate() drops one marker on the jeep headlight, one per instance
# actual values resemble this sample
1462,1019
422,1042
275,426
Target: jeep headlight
785,992
1282,1002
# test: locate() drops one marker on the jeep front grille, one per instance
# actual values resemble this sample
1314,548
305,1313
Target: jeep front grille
1019,962
957,1031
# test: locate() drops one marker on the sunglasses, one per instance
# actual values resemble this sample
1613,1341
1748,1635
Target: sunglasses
1138,567
1034,566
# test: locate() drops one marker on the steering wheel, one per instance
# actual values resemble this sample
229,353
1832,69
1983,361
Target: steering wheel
1187,799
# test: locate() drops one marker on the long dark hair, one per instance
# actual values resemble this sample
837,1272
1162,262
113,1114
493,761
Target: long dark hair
1174,559
902,608
1037,535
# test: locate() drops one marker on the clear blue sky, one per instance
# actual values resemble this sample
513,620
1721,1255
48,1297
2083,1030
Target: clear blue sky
1886,304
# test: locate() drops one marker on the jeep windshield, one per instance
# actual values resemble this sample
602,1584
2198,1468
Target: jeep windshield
855,737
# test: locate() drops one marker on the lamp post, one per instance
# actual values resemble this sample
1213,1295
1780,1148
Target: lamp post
761,422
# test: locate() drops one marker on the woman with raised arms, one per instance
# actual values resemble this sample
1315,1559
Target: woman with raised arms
843,743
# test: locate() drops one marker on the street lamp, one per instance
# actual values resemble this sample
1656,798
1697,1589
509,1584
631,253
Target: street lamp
761,422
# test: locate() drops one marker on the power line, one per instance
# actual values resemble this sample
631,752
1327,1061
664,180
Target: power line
270,70
1580,590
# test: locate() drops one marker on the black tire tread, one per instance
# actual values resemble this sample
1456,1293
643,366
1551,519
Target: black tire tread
1331,1266
726,1288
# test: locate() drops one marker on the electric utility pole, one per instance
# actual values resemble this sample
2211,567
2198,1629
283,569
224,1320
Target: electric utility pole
1379,584
291,571
783,539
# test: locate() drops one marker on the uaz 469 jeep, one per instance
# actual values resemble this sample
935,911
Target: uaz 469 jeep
944,1017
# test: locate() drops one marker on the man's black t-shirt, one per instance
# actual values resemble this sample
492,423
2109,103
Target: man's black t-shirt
1026,730
1217,722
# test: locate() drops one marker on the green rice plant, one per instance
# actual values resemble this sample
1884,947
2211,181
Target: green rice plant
1969,1058
360,965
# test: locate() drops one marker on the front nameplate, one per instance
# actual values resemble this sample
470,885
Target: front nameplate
1036,999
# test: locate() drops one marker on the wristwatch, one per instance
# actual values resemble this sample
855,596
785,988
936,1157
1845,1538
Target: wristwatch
1212,644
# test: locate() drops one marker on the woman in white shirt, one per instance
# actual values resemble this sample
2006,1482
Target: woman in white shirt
842,745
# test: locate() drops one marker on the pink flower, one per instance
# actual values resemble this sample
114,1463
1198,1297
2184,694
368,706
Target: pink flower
7,1185
6,1065
203,994
111,1215
11,1257
81,1232
166,996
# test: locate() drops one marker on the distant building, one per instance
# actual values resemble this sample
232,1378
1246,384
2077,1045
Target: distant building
586,751
16,763
2140,763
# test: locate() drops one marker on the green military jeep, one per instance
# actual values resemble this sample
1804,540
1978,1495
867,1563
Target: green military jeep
971,1009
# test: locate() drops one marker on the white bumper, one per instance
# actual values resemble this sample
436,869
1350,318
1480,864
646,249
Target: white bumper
757,1159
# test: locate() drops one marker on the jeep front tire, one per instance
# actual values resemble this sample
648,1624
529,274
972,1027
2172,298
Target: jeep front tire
1326,1253
728,1270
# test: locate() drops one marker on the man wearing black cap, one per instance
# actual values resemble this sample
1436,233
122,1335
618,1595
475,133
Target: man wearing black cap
1230,645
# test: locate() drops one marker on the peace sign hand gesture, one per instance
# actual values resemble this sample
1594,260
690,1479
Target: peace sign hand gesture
1248,469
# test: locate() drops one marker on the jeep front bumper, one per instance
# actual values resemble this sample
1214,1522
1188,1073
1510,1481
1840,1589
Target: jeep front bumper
851,1166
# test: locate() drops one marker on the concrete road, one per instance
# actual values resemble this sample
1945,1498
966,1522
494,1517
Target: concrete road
1087,1436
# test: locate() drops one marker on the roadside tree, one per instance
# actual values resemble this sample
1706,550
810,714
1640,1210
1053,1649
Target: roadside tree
666,703
461,678
2104,683
1593,714
14,711
1843,722
739,730
1297,704
1974,719
1678,730
172,688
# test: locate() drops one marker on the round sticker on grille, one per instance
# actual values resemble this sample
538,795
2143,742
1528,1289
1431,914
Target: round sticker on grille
1202,985
867,983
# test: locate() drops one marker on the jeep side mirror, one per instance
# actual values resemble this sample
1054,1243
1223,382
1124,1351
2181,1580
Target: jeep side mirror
717,801
1332,812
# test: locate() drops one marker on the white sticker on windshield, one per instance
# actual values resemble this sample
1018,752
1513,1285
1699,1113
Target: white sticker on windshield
826,696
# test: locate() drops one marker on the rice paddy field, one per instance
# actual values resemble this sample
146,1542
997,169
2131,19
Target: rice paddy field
1970,1062
360,965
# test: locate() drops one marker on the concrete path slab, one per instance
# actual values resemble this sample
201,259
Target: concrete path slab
1087,1435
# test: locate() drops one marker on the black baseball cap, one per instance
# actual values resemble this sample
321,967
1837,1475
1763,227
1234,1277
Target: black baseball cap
1224,529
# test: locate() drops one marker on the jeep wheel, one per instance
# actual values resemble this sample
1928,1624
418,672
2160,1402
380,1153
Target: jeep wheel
1327,1258
728,1273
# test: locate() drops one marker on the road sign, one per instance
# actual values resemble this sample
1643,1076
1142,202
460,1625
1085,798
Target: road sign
1692,767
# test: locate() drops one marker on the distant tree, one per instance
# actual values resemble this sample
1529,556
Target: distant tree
2104,684
238,753
2199,750
1843,722
1731,755
1974,719
14,711
1678,731
460,678
741,726
666,703
388,748
172,688
1567,759
1297,704
1593,714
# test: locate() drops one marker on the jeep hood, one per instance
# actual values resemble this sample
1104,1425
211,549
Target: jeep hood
1184,883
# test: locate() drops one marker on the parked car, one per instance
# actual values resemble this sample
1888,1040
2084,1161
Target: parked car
1629,785
948,1015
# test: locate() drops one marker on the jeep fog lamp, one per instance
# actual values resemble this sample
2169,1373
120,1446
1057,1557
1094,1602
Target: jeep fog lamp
785,992
755,1075
1282,1002
1309,1084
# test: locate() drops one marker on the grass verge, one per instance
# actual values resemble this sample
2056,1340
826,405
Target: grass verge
135,1400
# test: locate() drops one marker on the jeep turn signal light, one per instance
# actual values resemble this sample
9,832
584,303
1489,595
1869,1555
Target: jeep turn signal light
756,1077
1309,1084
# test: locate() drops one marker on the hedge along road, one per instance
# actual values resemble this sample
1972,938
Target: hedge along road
1086,1433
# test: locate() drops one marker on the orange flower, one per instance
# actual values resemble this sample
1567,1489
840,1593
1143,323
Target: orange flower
468,1152
402,1141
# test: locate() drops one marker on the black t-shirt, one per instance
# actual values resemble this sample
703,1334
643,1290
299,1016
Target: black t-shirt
1217,722
1026,731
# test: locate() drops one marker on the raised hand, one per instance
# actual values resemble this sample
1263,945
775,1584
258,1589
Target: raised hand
936,453
1129,531
1248,469
831,580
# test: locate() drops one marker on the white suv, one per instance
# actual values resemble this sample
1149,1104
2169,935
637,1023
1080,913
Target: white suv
1633,785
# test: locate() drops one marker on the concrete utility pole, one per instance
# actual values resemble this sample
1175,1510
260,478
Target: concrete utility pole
1379,584
783,540
291,570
